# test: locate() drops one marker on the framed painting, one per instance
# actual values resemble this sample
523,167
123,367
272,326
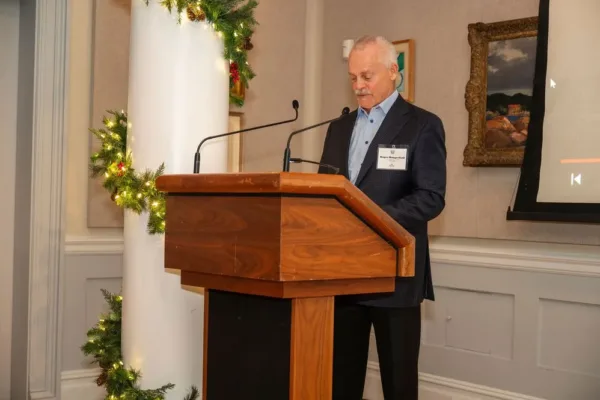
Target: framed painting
405,84
499,92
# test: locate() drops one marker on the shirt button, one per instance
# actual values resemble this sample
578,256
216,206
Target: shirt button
371,121
366,142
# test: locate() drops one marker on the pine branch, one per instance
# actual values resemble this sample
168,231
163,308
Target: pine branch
193,395
130,190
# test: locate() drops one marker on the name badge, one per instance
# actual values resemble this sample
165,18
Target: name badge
392,157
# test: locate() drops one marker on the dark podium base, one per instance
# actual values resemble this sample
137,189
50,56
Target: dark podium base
248,349
258,347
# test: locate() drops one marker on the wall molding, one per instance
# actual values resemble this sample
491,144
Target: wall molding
437,385
94,245
47,199
80,384
85,376
523,256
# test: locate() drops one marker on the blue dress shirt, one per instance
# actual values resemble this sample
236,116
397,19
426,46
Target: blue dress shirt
365,127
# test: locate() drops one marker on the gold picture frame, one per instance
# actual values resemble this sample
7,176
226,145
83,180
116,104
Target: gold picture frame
405,84
501,53
239,90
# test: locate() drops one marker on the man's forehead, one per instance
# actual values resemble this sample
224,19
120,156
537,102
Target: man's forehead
363,70
363,60
367,51
364,66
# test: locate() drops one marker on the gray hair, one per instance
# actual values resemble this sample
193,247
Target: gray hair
388,52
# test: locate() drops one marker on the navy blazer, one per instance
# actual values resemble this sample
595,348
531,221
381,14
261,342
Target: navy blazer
412,197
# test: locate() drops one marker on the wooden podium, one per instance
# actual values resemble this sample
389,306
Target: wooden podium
271,251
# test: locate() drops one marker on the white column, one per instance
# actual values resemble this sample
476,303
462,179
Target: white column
178,94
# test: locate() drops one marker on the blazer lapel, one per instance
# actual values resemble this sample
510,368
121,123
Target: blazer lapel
347,127
391,126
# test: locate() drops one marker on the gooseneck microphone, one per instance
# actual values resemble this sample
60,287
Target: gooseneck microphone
295,105
287,153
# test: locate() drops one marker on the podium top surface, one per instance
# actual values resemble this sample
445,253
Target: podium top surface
251,182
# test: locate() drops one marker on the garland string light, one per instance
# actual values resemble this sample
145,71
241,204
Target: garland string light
234,22
104,343
129,189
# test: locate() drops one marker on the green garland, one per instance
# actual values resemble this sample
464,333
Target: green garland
234,21
130,190
104,343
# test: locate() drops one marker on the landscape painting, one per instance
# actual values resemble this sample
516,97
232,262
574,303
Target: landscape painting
499,93
510,72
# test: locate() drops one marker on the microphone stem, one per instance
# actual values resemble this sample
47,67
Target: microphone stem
287,152
197,155
197,163
245,130
289,141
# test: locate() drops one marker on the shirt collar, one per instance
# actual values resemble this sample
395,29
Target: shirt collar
384,106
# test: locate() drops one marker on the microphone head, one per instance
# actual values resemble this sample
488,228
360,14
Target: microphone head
295,104
345,111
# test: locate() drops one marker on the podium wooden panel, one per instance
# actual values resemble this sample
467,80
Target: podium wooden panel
272,250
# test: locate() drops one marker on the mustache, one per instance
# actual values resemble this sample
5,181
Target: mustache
362,92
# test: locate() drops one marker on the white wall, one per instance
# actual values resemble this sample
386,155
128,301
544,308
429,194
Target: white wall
9,48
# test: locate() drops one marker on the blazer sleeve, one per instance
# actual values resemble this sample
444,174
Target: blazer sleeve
428,172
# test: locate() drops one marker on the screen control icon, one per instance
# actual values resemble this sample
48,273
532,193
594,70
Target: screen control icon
575,179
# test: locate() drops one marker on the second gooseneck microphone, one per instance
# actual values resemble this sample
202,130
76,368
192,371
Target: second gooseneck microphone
295,105
287,153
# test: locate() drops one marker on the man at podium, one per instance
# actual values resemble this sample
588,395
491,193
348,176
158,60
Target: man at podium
395,153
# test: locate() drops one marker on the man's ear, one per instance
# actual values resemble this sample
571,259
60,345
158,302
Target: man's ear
394,71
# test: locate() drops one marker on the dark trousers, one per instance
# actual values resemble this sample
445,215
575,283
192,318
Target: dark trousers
397,333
